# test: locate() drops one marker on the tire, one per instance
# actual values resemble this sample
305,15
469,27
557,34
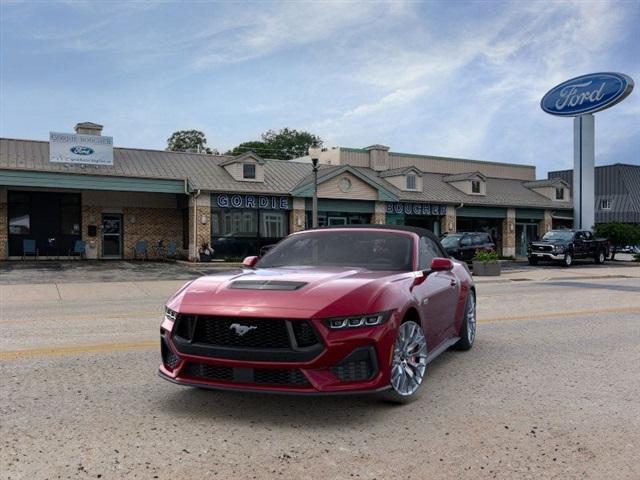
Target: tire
468,328
408,364
568,260
600,257
532,260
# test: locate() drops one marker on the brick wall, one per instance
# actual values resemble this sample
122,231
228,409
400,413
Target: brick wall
509,233
4,242
448,222
152,225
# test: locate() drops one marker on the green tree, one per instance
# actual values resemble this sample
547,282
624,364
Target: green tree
188,141
257,147
283,144
619,234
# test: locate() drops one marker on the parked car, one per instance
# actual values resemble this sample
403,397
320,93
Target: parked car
565,246
463,246
332,310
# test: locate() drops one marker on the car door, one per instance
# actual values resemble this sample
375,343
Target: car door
466,248
579,245
437,296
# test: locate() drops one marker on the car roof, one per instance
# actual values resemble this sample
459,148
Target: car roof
398,228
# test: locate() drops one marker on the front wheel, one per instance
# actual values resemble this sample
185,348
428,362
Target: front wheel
533,260
600,257
408,364
568,260
468,328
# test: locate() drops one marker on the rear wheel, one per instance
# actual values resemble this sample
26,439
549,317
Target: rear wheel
567,261
408,364
468,328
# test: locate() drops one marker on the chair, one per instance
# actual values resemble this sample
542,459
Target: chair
172,248
79,248
141,248
29,248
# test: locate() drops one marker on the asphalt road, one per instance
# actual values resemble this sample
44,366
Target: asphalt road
550,390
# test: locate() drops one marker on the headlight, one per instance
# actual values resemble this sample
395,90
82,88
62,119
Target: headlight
170,314
369,320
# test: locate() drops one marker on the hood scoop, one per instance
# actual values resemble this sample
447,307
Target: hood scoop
266,285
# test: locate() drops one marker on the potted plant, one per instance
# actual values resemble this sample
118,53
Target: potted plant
486,264
205,252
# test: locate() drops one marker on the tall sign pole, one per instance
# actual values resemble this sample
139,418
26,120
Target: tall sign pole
583,171
580,97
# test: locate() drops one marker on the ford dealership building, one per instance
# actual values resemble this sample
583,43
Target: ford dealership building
79,187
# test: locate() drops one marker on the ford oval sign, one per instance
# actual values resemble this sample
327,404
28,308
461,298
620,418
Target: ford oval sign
587,94
78,150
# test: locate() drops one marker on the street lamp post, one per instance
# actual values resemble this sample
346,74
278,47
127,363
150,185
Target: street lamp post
314,153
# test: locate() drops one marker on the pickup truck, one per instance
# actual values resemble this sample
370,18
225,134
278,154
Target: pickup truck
566,245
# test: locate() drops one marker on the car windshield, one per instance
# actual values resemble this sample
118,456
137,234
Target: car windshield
343,248
450,241
558,235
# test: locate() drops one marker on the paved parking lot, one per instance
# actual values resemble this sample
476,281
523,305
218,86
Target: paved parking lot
549,391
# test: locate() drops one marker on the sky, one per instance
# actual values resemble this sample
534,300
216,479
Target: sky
450,78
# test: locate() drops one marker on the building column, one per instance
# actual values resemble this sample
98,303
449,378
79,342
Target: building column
448,222
4,227
545,224
92,217
509,234
379,214
202,223
297,216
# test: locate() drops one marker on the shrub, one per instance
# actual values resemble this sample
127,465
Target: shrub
483,256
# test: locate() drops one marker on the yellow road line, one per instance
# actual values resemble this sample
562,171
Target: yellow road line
115,347
562,314
63,318
76,349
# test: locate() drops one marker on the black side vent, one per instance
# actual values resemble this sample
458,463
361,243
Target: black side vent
169,359
360,365
266,285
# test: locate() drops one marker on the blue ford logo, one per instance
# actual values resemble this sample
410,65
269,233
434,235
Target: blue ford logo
79,150
587,94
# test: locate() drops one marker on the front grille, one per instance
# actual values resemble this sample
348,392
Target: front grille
241,332
359,365
543,248
279,377
169,359
261,376
211,372
304,333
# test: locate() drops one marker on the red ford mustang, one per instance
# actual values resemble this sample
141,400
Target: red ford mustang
330,310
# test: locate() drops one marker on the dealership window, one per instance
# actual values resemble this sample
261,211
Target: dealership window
249,171
605,204
411,182
475,186
19,217
559,193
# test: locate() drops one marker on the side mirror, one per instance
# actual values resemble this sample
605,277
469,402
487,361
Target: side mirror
440,264
249,262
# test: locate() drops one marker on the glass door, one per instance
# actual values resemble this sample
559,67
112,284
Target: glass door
112,235
337,221
525,233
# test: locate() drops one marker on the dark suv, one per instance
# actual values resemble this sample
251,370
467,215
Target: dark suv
463,246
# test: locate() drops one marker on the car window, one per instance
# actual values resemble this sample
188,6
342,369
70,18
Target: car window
588,236
478,240
427,251
465,241
579,236
450,241
388,251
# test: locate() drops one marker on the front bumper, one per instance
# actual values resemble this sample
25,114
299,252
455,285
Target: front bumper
349,361
546,255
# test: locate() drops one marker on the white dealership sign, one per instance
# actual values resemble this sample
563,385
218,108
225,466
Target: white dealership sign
75,148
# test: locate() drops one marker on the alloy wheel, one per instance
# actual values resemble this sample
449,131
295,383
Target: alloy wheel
568,260
471,318
409,359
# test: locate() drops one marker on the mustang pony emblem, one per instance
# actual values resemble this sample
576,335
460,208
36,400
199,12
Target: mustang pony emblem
241,329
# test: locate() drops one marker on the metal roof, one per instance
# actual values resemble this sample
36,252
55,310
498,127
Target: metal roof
205,172
463,176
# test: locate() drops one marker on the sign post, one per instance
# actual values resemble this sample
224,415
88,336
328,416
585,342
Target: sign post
580,97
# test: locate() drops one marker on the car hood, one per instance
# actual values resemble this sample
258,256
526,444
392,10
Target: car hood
296,292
